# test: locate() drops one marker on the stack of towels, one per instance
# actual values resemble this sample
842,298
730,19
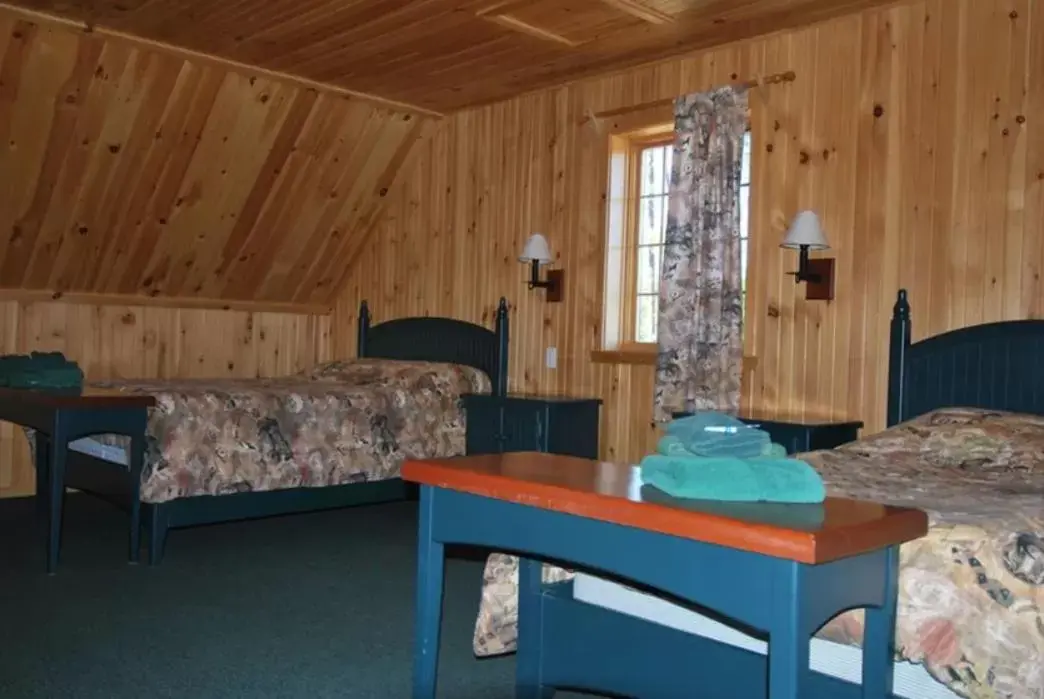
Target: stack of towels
713,456
47,371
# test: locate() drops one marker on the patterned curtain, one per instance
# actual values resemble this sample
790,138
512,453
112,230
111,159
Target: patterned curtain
700,329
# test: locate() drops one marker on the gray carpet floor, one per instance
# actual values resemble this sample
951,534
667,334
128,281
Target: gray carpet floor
305,606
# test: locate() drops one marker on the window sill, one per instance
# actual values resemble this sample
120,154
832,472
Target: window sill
645,355
634,354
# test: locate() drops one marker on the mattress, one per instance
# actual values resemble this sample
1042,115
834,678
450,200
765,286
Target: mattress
827,657
971,592
341,422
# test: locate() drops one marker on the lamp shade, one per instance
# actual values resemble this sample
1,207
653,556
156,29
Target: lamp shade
536,250
805,230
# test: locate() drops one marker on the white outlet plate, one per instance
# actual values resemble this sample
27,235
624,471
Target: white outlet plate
551,357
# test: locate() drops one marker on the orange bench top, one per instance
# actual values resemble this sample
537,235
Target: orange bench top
610,492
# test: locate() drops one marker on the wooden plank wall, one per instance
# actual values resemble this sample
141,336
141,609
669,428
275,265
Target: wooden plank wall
917,133
132,170
111,341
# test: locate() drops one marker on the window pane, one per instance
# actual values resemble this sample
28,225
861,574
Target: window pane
651,223
668,158
744,244
652,171
744,211
645,327
745,168
649,269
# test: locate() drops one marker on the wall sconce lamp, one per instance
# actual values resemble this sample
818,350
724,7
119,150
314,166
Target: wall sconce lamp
536,252
806,234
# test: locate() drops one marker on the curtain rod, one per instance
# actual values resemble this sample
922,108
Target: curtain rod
775,78
787,77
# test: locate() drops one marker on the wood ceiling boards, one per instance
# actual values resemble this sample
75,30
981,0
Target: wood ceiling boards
444,55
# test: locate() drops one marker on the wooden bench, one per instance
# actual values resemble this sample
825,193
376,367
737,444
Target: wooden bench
60,418
783,570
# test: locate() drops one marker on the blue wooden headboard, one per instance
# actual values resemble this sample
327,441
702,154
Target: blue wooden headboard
997,366
433,339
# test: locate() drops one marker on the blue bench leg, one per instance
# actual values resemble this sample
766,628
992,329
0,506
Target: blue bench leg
789,638
137,462
528,669
879,635
42,457
430,571
59,444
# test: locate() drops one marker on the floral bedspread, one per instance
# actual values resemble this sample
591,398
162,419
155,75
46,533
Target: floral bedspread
341,422
971,599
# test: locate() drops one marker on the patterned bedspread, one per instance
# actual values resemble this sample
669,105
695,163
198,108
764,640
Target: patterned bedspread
971,591
341,422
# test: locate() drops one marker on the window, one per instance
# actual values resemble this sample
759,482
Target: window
744,215
639,184
654,182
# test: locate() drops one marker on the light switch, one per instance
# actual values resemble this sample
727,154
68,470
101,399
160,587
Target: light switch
551,358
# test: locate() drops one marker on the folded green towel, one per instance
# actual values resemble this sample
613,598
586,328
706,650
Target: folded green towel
670,445
775,451
733,479
40,371
714,434
803,516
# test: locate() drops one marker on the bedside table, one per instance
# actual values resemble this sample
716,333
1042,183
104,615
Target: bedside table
800,434
522,422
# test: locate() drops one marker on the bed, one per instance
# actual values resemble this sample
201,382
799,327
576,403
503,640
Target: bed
332,436
965,442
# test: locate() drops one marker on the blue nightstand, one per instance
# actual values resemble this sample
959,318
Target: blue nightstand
526,422
802,434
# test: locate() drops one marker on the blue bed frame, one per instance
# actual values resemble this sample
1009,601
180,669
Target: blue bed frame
418,339
574,645
996,366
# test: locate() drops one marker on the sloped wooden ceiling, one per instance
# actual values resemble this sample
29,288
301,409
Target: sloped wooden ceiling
125,170
442,55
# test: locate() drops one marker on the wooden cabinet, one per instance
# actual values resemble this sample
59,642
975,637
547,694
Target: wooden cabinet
551,424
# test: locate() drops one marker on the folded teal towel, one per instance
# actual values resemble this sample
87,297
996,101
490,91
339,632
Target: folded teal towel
670,445
803,516
41,371
717,434
734,479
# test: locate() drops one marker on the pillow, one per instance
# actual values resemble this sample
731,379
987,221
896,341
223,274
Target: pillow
971,438
405,374
357,371
361,372
964,438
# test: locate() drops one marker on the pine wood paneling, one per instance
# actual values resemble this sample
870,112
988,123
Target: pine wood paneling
441,55
915,132
112,341
131,171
